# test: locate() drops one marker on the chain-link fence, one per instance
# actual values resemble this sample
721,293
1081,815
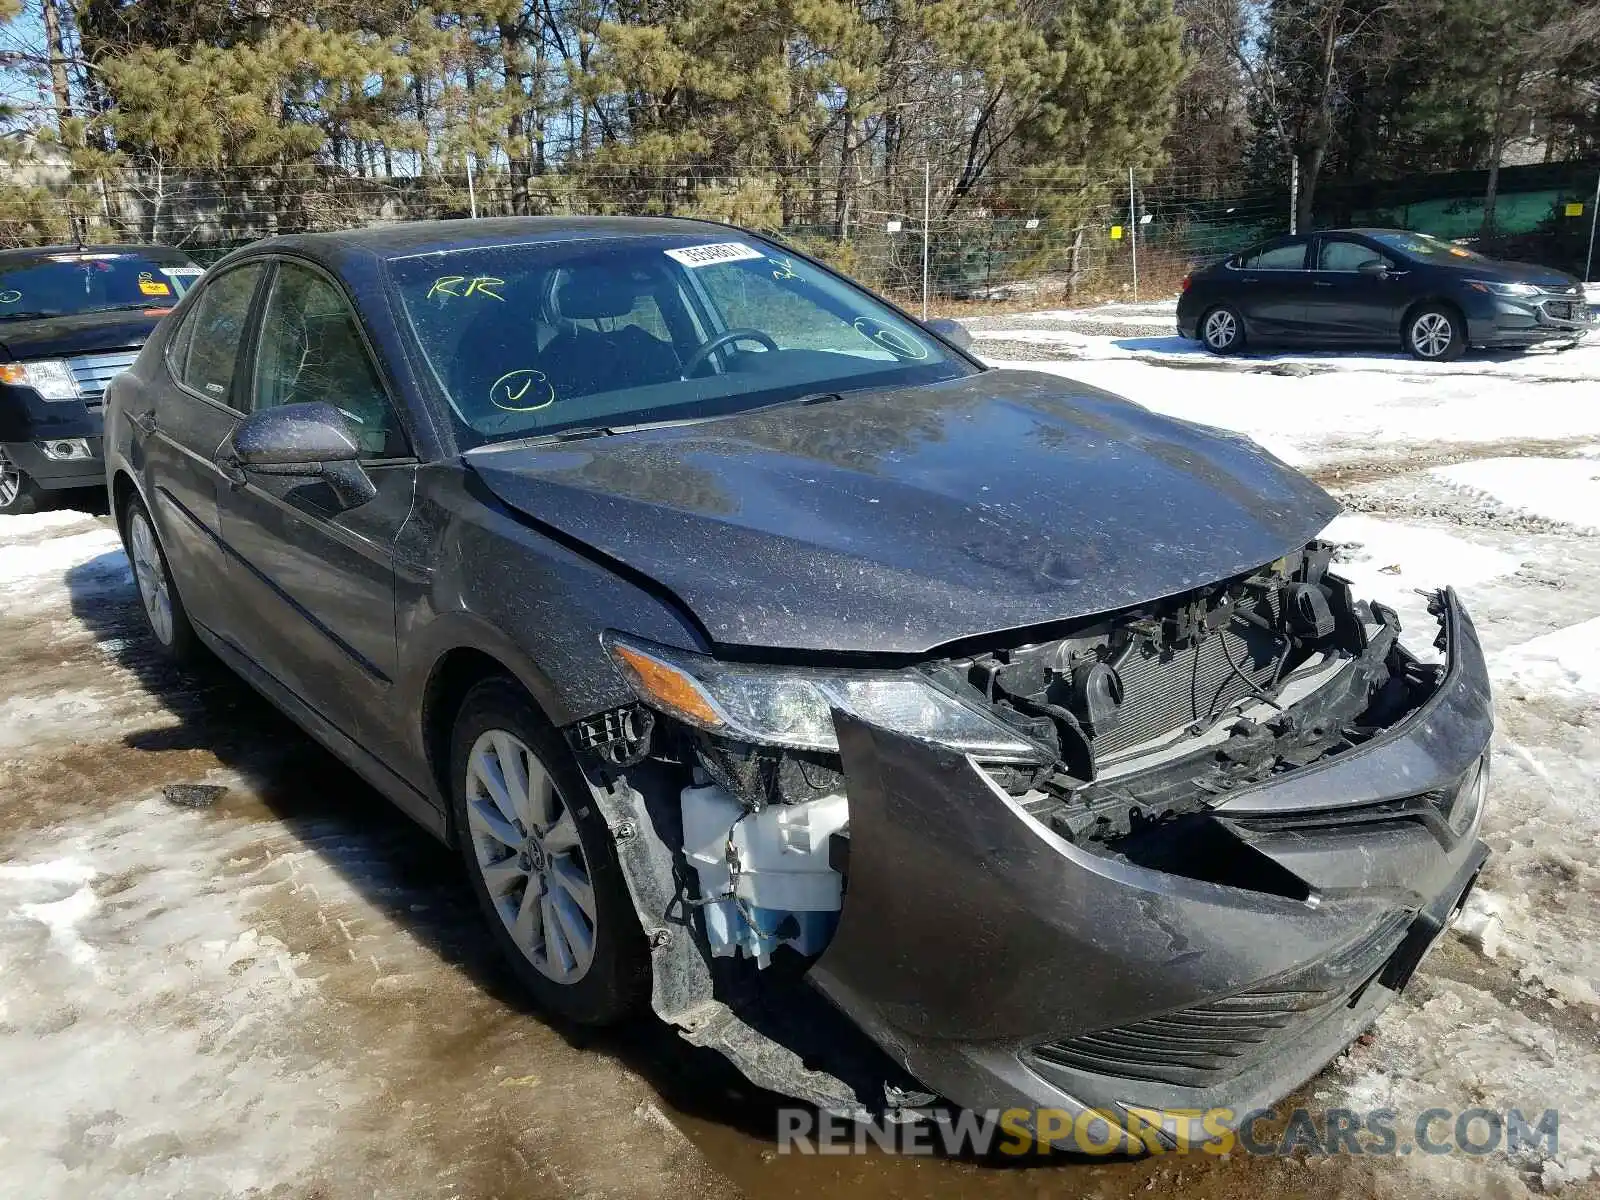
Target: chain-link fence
1039,236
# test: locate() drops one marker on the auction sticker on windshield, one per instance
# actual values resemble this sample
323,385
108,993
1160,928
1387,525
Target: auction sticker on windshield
718,252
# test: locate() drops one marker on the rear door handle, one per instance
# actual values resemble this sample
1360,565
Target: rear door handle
1320,283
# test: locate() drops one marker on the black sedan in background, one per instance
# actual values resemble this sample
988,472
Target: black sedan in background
71,318
755,645
1348,287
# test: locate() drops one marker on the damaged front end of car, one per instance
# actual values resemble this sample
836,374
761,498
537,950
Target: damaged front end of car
1170,858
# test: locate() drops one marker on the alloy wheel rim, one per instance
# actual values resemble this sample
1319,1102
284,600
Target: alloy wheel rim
1430,334
1220,329
151,577
525,843
10,481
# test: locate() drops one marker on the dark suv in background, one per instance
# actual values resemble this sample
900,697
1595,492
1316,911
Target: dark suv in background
1348,287
71,319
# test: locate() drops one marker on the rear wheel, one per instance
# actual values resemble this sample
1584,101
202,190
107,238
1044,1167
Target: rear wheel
1222,330
18,493
163,608
542,862
1435,333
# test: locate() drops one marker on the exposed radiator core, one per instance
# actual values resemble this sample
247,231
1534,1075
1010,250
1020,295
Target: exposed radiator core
1166,689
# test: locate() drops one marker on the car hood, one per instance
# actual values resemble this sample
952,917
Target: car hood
1499,271
892,522
86,333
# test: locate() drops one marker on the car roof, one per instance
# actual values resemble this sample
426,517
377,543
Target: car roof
21,254
422,237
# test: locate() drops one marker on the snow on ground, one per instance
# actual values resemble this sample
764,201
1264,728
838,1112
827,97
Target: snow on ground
104,926
1389,561
1566,660
1567,491
1363,413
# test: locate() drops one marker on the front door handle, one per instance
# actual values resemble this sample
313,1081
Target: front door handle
145,422
1320,283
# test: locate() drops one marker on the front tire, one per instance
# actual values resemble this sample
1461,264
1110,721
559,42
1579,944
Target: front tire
542,862
18,493
158,594
1222,330
1435,333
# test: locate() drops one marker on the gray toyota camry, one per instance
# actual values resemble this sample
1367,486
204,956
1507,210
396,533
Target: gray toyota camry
900,728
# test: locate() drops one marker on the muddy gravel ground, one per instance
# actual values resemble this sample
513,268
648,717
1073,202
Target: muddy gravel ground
287,993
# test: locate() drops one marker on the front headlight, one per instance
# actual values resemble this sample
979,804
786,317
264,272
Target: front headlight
1506,289
792,707
50,377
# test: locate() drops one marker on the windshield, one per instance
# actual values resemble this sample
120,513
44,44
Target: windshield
534,339
84,281
1426,246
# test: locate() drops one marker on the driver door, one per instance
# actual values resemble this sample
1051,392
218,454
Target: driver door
1347,303
316,578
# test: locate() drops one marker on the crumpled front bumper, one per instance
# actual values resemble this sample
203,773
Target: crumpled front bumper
1009,969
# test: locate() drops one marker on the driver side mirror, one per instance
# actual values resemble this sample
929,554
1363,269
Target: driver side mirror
951,331
304,441
1375,267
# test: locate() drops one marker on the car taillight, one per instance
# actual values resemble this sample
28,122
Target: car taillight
1184,286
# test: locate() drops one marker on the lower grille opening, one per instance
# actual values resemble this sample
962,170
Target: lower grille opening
1210,1043
1198,846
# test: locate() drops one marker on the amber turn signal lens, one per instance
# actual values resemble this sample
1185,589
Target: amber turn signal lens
667,687
13,373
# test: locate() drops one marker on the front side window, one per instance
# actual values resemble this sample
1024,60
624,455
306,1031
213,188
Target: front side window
214,330
311,351
1279,258
1338,254
537,338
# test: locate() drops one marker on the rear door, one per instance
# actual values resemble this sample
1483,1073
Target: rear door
318,580
182,423
1347,304
1272,288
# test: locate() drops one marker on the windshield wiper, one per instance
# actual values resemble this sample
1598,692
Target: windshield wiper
80,312
580,432
576,434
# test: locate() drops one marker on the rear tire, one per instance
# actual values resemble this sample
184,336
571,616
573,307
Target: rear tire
163,608
542,862
1222,330
18,493
1435,333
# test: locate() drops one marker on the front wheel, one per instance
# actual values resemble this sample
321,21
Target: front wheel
542,862
1435,333
18,493
1222,330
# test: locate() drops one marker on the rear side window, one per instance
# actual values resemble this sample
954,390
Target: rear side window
1280,258
215,328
